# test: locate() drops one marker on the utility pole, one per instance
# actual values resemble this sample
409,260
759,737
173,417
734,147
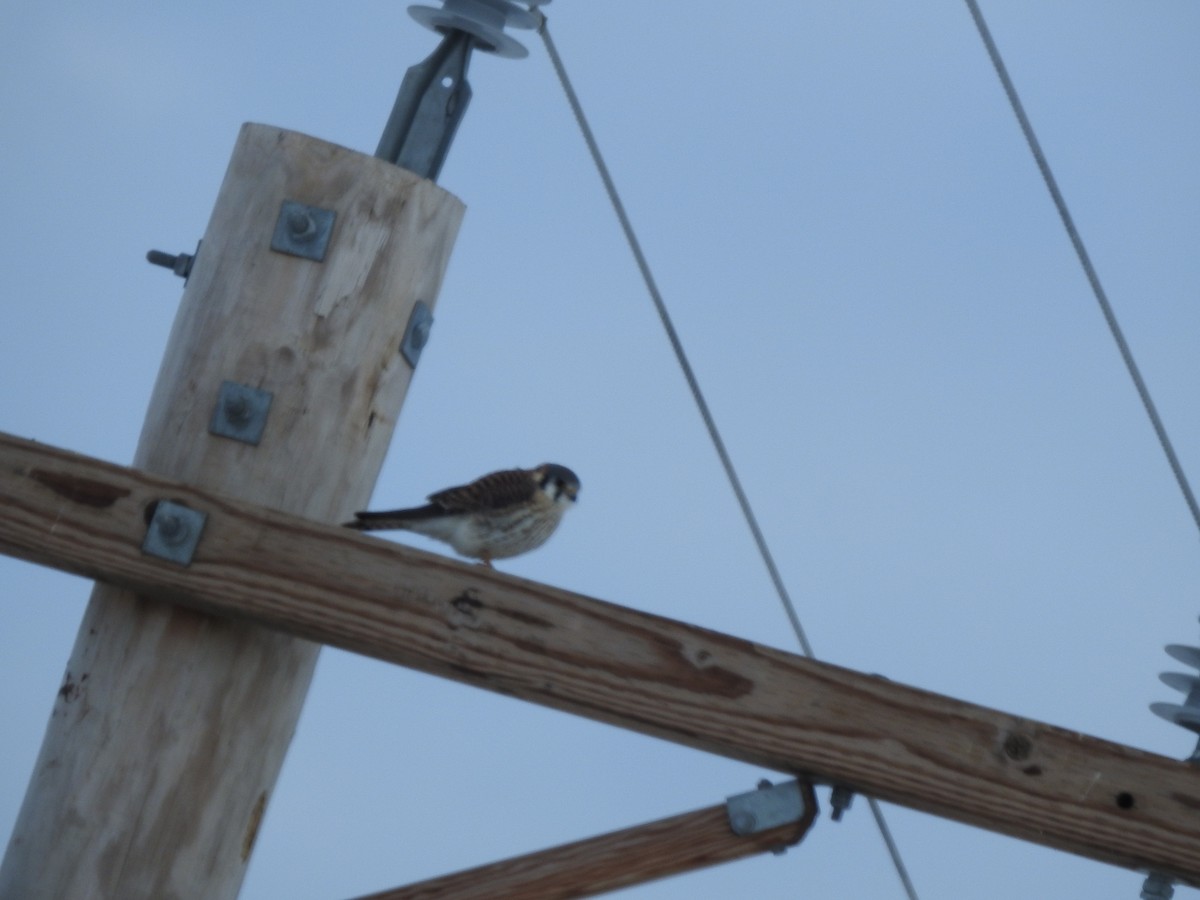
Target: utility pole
304,312
281,383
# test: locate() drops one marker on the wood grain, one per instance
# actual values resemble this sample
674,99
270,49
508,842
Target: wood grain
166,739
593,658
608,862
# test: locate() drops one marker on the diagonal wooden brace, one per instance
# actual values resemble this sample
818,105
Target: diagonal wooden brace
619,859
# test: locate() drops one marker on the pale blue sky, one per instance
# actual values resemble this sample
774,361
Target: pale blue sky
927,411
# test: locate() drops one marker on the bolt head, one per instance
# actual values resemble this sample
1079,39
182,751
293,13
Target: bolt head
237,410
1157,887
172,529
301,226
744,823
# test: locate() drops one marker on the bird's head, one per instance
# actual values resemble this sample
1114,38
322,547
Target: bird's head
558,482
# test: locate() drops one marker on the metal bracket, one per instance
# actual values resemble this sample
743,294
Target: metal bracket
768,807
434,94
173,532
429,107
241,412
416,333
303,230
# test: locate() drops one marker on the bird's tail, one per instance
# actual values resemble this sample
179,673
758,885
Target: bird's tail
393,518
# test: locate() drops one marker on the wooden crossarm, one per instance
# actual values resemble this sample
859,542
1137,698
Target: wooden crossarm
592,658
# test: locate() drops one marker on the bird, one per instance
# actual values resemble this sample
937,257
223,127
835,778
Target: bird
499,515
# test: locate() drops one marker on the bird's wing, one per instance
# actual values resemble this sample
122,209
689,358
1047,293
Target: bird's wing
494,491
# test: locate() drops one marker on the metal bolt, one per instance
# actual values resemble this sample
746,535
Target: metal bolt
179,263
1157,887
840,799
303,230
173,529
240,412
301,226
237,410
162,258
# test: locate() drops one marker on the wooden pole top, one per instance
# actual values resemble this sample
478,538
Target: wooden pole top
164,746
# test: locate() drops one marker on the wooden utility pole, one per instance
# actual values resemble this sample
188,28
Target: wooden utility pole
169,730
669,679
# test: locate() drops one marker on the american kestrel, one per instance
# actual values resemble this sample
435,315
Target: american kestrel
502,514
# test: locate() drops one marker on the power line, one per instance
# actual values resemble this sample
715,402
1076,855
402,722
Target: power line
701,404
1084,260
673,336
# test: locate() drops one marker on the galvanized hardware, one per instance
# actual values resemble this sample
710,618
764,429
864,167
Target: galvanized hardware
1187,715
179,263
483,20
434,94
303,230
173,532
241,412
429,107
416,333
1157,887
768,807
840,798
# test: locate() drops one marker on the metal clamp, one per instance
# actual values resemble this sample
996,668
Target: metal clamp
768,807
174,532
